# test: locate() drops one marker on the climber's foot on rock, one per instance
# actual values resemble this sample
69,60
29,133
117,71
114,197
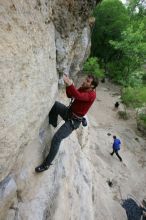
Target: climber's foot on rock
42,168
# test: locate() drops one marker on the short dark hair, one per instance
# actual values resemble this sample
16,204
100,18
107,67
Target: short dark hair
94,82
114,137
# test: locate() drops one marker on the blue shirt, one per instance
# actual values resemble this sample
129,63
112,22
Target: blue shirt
116,144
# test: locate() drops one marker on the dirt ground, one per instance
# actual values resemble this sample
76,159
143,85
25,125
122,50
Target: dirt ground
129,177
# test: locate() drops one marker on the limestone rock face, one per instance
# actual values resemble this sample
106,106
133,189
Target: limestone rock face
28,58
72,51
31,35
71,15
7,193
34,35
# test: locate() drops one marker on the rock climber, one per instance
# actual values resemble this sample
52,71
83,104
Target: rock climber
82,99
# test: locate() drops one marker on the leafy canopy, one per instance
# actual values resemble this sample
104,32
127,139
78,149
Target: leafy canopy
134,97
92,66
111,19
132,48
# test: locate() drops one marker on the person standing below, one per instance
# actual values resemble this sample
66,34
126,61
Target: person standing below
116,147
82,99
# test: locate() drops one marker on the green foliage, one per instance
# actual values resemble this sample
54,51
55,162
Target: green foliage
132,44
92,66
135,79
111,19
144,77
119,40
134,97
141,121
136,9
132,47
115,73
142,117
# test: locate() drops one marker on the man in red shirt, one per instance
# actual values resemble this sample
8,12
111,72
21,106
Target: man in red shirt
82,99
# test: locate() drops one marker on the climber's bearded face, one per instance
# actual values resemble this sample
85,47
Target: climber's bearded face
87,84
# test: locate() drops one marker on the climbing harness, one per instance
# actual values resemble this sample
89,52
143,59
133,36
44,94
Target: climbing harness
73,117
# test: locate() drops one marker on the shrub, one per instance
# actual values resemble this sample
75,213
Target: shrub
134,97
136,78
141,123
142,117
123,115
92,66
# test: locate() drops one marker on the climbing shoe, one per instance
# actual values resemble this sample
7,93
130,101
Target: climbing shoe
42,168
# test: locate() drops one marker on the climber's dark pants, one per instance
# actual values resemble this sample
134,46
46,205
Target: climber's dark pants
116,152
64,131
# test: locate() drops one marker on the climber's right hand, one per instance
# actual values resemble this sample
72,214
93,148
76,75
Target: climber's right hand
67,80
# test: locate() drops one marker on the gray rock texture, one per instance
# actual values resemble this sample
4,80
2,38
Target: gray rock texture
72,51
28,60
8,190
40,40
31,36
34,35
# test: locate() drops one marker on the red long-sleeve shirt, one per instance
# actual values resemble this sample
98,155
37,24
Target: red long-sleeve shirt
82,99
